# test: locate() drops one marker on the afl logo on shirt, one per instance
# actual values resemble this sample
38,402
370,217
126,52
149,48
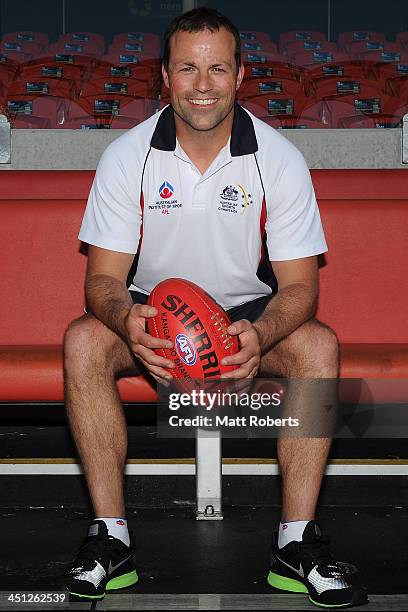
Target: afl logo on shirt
186,350
166,190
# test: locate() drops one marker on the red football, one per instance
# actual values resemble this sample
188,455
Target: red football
197,326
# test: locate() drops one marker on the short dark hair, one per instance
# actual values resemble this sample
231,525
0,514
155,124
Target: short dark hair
202,18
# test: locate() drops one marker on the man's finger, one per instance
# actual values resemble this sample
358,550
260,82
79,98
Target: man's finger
244,371
241,357
157,372
143,310
151,342
239,326
151,358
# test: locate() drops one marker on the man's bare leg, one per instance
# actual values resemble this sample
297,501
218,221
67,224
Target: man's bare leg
93,355
311,352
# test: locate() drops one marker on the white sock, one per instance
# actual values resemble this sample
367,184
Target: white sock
117,527
291,531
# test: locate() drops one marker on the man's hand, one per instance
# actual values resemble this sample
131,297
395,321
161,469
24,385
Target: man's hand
142,343
249,355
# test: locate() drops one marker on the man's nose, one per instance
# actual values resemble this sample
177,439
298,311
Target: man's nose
203,82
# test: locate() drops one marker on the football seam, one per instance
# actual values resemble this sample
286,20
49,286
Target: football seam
212,311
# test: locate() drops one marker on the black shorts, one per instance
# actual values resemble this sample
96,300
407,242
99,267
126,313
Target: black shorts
249,310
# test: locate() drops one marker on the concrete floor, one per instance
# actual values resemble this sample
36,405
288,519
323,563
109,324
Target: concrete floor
176,554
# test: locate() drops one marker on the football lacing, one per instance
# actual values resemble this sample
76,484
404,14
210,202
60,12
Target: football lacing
220,326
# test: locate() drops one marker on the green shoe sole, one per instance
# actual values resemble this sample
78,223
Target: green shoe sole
120,582
295,586
286,584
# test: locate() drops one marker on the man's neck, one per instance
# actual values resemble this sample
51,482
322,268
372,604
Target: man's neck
203,147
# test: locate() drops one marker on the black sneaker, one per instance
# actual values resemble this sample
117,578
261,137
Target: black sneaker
309,567
103,563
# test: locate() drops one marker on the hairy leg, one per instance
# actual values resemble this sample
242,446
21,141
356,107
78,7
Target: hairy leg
93,356
310,352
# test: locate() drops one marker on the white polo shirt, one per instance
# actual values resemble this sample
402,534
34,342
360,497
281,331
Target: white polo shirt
149,198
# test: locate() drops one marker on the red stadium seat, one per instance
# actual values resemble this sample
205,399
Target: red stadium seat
16,57
276,104
105,107
397,87
141,50
8,70
384,57
401,38
262,57
299,46
295,123
123,123
22,122
345,69
128,58
82,61
62,88
148,71
362,121
89,122
251,35
255,46
359,35
114,86
76,48
302,35
338,109
392,70
313,58
335,87
362,48
79,38
20,46
49,69
49,107
390,53
255,87
82,122
273,69
38,37
141,37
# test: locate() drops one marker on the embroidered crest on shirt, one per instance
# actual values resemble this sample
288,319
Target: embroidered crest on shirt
234,199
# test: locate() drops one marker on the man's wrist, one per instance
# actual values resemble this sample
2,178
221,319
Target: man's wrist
110,302
264,329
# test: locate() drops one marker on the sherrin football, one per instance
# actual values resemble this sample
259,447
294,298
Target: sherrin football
197,326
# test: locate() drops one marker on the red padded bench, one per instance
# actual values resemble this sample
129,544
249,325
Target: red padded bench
364,280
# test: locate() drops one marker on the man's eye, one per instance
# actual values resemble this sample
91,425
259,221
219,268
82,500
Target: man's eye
187,69
218,69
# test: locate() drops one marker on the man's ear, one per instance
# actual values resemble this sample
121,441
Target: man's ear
165,76
240,76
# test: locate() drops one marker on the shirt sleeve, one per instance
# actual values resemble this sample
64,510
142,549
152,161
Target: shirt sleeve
113,215
293,225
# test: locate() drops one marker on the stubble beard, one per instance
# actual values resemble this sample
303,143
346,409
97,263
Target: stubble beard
189,118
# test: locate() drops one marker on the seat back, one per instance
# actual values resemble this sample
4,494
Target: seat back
363,279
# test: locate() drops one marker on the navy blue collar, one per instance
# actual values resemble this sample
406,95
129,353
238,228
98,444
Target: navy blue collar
243,138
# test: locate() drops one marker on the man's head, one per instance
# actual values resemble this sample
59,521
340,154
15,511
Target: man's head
202,67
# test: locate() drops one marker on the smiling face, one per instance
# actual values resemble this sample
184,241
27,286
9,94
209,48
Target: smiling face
202,77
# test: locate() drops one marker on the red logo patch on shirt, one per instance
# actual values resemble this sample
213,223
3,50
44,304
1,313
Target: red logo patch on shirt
166,190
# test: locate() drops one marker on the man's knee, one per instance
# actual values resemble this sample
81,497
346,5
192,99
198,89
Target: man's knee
315,351
88,343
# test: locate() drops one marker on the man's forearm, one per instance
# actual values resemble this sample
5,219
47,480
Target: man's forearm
109,300
291,307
